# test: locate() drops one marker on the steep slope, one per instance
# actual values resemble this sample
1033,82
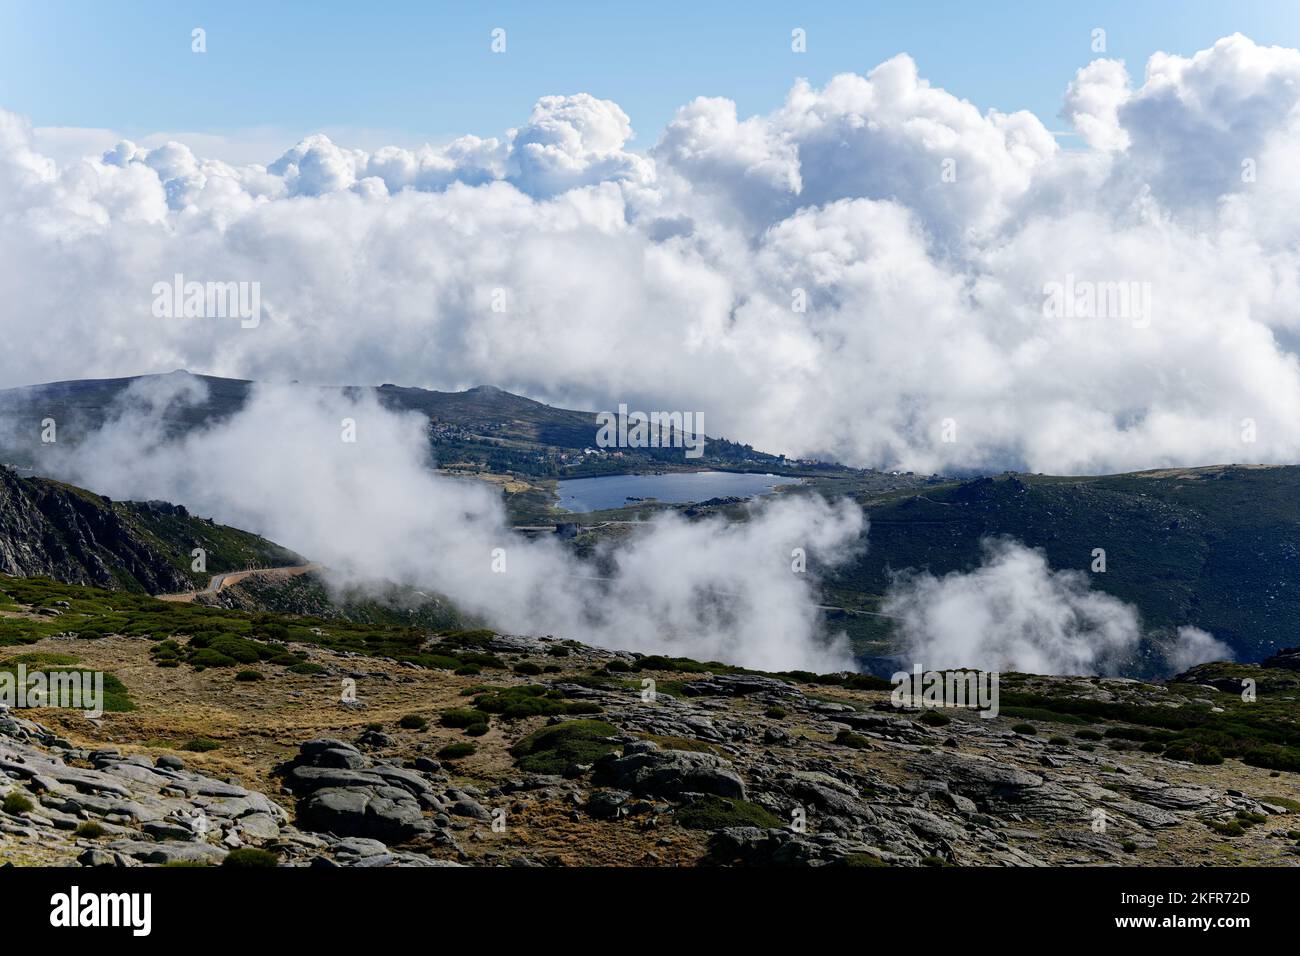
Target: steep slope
59,531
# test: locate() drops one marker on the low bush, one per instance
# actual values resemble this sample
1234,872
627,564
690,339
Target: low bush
530,700
15,803
463,718
552,749
1193,752
456,751
714,813
250,856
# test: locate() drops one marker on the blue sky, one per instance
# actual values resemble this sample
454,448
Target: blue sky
411,72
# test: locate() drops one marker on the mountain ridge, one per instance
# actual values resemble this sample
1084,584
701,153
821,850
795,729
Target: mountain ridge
484,426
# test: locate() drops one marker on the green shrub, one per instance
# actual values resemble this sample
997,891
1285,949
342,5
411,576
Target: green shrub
1272,757
1041,714
530,700
552,749
1026,729
250,856
1059,741
413,722
200,745
1087,735
207,657
714,813
657,662
1138,734
249,675
527,668
90,830
1230,828
15,803
776,713
847,738
307,667
462,717
456,751
558,650
1194,752
935,719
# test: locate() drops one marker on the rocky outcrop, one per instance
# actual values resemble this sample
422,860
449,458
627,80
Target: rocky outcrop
346,793
1287,658
104,808
647,771
52,530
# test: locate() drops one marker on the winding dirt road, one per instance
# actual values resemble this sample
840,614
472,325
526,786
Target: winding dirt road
220,582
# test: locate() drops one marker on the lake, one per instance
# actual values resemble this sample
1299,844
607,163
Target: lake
613,491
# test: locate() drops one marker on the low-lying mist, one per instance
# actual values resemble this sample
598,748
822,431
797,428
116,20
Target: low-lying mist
374,508
1014,613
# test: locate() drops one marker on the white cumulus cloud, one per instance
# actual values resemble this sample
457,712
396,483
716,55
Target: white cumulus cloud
919,231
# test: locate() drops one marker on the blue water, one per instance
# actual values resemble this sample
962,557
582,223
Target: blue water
613,491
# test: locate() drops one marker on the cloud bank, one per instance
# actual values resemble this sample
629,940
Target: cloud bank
919,231
1014,613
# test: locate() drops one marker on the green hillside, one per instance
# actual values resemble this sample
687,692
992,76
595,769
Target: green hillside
1212,547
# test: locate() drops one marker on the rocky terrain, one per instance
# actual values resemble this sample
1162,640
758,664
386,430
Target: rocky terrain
489,749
